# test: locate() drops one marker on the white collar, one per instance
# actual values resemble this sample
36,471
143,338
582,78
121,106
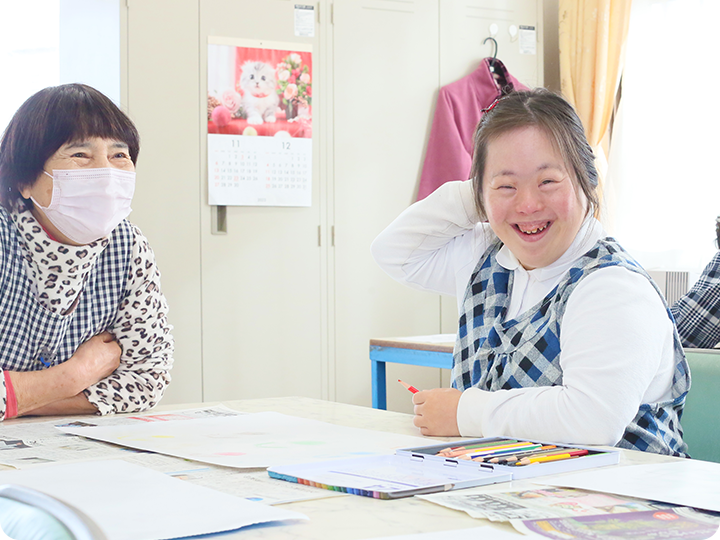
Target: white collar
590,232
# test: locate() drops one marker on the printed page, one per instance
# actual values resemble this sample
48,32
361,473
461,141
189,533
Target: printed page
650,525
542,502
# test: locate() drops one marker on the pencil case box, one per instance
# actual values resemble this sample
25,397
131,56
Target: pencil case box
595,457
420,470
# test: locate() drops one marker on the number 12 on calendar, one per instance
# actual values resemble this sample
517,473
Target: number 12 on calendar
259,171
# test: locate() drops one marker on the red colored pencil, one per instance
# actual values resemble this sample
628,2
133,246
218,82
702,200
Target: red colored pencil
409,387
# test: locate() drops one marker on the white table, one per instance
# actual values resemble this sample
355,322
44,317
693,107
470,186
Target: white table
350,516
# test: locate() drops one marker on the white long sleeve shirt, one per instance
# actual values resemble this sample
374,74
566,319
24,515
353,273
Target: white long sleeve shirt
616,339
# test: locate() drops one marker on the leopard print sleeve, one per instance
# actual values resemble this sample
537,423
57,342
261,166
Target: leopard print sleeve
144,334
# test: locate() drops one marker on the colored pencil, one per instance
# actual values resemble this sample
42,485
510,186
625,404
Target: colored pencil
409,387
554,452
489,449
479,445
484,448
517,455
505,451
554,457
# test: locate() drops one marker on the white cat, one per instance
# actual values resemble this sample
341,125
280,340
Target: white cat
260,99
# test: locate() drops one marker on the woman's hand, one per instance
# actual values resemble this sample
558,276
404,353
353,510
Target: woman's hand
436,412
58,390
94,360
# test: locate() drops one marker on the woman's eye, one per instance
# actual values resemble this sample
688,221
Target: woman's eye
79,155
121,155
548,181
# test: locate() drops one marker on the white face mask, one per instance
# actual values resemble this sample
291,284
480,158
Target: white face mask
88,204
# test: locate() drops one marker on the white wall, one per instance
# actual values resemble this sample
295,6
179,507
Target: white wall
220,288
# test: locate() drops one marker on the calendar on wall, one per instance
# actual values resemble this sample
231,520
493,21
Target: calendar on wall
259,123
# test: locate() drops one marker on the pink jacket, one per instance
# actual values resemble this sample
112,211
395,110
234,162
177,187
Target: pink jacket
457,113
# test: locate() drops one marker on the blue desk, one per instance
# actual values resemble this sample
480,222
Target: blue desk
428,351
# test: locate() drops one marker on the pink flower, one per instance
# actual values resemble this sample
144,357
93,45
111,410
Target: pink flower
308,90
231,100
292,79
221,116
291,91
295,58
283,75
305,78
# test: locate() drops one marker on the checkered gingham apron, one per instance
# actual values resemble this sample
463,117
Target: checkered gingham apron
493,354
32,337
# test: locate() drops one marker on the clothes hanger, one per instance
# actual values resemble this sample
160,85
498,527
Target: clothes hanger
495,51
497,69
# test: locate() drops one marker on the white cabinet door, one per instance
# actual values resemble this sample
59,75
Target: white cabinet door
163,99
385,78
262,281
465,24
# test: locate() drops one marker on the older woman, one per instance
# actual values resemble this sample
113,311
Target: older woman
83,323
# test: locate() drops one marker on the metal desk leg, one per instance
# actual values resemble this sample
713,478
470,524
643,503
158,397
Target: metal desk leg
379,394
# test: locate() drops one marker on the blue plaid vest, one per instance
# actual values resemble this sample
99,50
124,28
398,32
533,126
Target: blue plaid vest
32,337
493,354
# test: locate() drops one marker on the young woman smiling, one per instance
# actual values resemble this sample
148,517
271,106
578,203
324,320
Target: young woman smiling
562,336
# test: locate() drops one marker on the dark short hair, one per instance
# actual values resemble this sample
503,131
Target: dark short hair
49,119
552,114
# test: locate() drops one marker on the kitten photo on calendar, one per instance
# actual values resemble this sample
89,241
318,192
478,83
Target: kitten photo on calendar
259,89
259,123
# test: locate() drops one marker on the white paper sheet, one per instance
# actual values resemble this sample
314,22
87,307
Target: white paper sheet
688,482
253,485
252,440
129,502
40,443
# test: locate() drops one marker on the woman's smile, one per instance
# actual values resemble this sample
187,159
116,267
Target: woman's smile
534,230
532,203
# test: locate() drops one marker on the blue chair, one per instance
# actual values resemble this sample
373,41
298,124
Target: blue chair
27,514
701,417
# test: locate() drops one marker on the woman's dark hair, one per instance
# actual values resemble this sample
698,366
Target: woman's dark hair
553,115
49,119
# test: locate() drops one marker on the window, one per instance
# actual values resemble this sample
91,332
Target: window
29,51
49,42
663,185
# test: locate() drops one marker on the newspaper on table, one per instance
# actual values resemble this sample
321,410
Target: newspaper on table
646,525
540,503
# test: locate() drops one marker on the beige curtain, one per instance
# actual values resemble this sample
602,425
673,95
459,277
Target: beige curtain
592,35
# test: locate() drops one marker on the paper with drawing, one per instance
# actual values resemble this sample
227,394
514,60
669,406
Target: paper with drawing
252,440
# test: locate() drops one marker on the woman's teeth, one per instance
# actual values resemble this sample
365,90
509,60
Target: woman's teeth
535,230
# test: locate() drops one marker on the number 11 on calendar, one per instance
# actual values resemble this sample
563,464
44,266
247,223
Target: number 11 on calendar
259,171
